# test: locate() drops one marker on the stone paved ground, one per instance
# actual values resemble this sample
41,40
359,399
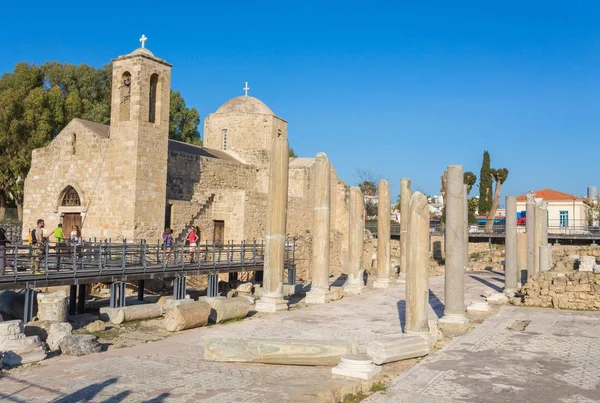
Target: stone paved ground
556,358
173,369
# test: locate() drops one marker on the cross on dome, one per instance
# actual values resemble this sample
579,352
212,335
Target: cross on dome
143,40
246,89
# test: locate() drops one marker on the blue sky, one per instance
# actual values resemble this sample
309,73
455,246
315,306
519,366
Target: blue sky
399,88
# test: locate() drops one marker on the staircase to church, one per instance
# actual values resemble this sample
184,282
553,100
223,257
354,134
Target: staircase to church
182,235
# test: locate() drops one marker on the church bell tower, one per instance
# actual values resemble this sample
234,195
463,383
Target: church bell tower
139,136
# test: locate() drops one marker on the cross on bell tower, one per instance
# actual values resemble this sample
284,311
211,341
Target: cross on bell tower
143,40
246,89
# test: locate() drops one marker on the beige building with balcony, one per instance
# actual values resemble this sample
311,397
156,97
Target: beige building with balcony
566,213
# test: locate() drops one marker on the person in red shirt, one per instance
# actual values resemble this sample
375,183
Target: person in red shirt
193,238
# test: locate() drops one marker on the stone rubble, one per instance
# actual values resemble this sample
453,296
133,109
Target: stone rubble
17,348
57,333
80,344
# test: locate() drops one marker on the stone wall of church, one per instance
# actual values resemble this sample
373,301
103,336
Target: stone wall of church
245,134
76,157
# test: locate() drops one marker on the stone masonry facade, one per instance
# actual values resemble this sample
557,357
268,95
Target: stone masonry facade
132,181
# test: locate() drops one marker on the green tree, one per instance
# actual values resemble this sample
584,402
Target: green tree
485,185
183,122
469,179
499,176
291,153
473,202
37,102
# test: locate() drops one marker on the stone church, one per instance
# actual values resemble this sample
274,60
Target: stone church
127,180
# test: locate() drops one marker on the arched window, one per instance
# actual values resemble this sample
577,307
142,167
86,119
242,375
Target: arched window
125,97
70,197
153,98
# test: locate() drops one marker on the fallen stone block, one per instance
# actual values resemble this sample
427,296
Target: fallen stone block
39,328
80,344
209,300
172,303
337,293
22,351
356,366
278,351
97,326
187,316
53,307
479,307
289,290
250,298
222,310
82,320
231,294
397,349
10,329
497,298
57,333
587,263
129,313
245,287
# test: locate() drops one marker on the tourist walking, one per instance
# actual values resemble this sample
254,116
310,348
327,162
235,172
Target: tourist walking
60,243
193,241
3,243
76,235
167,238
38,246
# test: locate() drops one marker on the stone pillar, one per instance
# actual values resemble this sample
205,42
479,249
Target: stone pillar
539,219
521,258
530,228
545,250
544,224
53,307
511,271
272,297
383,235
319,288
355,282
405,196
454,286
466,224
417,259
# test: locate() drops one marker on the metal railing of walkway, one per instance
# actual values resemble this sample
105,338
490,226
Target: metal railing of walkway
31,266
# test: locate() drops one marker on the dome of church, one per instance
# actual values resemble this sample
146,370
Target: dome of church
142,51
245,104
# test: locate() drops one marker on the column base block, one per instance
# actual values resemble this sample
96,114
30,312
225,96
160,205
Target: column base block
318,296
356,366
381,282
353,289
271,304
454,324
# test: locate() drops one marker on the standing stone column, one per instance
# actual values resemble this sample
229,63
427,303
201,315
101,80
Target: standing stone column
545,250
272,298
355,282
466,224
454,287
521,258
383,235
539,224
530,228
319,289
511,271
417,259
405,197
